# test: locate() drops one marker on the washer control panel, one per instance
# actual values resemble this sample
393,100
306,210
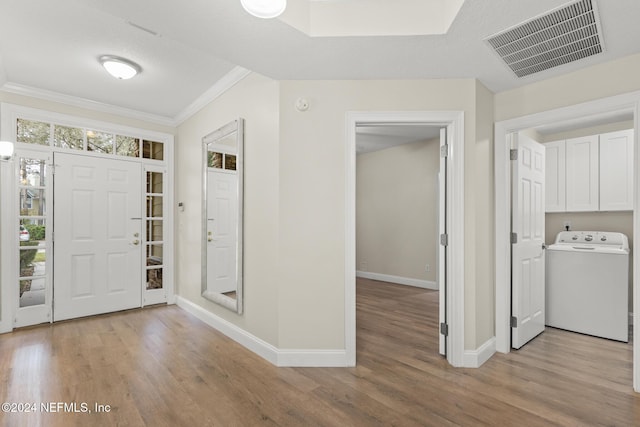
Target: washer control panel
593,238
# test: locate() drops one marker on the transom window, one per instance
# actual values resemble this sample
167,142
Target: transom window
91,140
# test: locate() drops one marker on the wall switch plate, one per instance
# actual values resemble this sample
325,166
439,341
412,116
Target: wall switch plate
427,268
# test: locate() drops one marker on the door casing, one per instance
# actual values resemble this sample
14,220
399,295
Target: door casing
454,122
9,113
621,103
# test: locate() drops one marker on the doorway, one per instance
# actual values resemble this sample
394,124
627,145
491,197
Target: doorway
397,224
452,303
623,104
102,192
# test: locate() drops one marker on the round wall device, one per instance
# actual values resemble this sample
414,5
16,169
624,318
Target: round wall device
302,104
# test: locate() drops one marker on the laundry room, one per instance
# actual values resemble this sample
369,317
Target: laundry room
589,224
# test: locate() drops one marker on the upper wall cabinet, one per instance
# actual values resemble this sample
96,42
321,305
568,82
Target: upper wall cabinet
593,173
555,185
616,171
582,174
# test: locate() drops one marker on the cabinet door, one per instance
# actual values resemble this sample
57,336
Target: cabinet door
582,174
616,171
555,174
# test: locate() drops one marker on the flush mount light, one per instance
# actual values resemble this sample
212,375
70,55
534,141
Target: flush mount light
6,150
264,8
118,67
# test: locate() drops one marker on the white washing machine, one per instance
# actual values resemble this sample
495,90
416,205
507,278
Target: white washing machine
587,283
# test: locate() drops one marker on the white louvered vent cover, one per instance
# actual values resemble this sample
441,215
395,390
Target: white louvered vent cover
563,35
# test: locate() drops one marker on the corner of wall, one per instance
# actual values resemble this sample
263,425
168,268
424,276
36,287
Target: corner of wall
484,321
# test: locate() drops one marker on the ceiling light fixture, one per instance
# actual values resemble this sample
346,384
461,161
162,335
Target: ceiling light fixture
118,67
264,8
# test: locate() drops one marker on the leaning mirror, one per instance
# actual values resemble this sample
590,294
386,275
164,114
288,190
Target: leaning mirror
222,201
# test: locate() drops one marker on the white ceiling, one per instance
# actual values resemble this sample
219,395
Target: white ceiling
53,46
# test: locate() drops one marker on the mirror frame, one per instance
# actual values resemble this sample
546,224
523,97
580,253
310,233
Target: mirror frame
224,300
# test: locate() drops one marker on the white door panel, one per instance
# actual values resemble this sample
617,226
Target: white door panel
582,174
616,171
555,176
98,264
528,255
221,231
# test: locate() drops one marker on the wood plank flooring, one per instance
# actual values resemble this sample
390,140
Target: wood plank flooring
162,367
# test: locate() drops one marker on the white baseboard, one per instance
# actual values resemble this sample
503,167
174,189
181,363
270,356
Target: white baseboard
278,357
475,358
426,284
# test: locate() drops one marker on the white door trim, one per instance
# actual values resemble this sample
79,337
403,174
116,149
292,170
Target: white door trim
8,247
627,102
8,116
454,121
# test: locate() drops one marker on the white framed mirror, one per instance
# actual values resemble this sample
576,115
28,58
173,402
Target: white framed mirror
222,215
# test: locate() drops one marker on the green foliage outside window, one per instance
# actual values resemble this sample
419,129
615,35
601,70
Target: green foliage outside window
36,232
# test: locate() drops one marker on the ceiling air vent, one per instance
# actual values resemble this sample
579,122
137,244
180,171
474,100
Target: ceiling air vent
563,35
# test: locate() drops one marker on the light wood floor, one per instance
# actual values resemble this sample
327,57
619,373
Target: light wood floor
163,367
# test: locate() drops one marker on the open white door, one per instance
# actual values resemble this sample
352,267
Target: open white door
98,226
528,254
442,248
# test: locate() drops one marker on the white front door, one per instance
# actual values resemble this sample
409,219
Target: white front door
528,255
97,236
222,225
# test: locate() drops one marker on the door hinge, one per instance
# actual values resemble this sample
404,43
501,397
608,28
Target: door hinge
513,154
514,322
444,239
444,329
444,150
514,237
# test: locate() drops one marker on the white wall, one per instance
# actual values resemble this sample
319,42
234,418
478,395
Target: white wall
591,83
397,210
255,99
312,199
484,228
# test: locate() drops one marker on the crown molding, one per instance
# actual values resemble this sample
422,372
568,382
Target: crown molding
74,101
221,86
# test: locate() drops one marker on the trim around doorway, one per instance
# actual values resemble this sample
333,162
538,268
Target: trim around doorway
454,121
9,114
628,102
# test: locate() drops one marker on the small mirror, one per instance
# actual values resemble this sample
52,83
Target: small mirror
222,202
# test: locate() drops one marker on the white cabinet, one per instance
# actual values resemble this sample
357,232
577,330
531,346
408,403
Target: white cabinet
582,174
555,174
592,173
616,171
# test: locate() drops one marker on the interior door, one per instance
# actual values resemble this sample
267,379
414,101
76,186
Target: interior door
97,236
442,249
528,255
222,199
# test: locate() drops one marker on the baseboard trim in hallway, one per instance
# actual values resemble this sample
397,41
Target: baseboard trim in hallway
278,357
408,281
